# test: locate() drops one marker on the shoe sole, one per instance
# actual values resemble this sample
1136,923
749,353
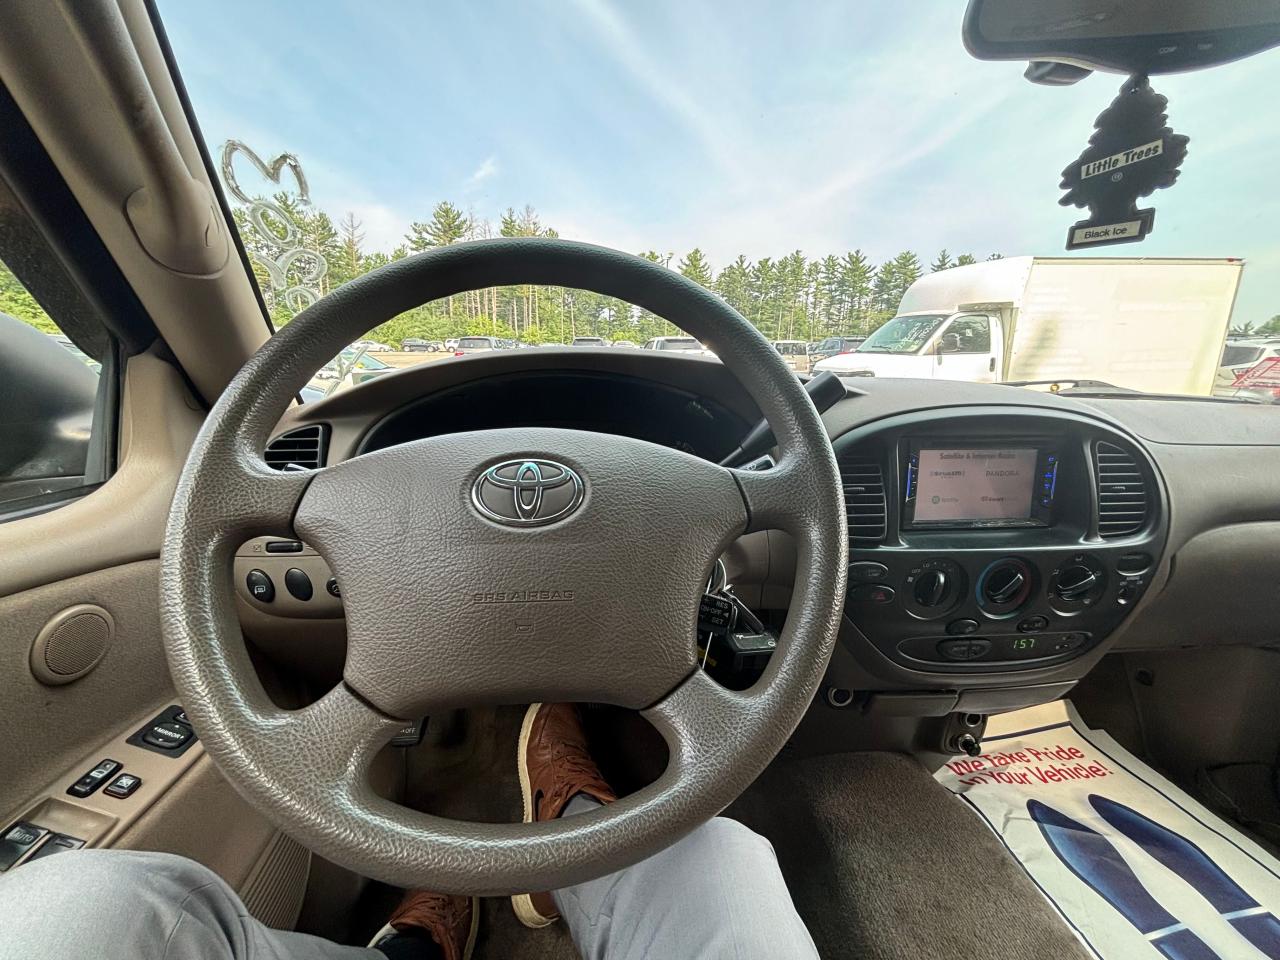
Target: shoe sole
522,903
471,936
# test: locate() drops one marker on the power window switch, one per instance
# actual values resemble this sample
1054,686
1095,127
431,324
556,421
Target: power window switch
17,840
123,786
95,778
58,843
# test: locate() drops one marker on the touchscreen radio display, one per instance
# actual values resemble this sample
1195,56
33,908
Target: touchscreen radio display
975,484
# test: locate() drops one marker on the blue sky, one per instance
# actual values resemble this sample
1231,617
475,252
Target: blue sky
741,127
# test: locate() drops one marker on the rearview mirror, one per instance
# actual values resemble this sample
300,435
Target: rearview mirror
1133,37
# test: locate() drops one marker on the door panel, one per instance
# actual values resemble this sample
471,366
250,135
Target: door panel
48,728
103,550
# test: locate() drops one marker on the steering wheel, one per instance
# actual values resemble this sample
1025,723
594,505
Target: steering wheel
499,567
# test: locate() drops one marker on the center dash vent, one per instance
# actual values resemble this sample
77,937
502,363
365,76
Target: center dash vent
864,501
1122,493
300,449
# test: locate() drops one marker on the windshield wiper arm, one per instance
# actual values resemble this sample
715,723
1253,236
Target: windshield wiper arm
1100,389
1074,384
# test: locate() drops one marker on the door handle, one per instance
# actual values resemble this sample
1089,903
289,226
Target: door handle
992,365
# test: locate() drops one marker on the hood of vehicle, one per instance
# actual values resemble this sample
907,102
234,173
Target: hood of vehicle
876,364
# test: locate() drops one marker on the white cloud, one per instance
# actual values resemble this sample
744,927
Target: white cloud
488,169
384,228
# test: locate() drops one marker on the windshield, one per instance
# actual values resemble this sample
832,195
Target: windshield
679,343
820,195
902,335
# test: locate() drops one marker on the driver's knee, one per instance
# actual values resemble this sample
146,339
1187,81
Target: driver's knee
91,902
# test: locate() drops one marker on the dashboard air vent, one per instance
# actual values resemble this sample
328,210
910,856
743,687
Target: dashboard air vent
301,449
864,501
1122,494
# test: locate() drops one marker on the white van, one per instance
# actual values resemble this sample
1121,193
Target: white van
1148,324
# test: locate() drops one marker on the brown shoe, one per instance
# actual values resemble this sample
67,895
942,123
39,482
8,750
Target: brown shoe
450,921
554,768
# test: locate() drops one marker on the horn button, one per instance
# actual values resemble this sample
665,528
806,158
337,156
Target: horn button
527,493
507,566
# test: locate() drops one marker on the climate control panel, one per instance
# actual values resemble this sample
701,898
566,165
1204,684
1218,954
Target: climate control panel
990,539
987,611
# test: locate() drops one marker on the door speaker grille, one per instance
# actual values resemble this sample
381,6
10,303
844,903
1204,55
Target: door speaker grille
71,644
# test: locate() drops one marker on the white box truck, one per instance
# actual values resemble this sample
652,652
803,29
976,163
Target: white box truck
1156,325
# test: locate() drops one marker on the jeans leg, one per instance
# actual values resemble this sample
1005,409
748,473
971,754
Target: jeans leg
718,893
143,906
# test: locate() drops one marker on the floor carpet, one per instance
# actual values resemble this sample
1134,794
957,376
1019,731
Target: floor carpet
883,863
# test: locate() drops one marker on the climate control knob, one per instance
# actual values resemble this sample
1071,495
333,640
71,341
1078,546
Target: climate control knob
934,587
931,588
1078,582
1004,587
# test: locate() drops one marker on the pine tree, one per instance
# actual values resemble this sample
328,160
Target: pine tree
996,256
348,264
942,262
856,279
447,225
695,267
965,259
733,284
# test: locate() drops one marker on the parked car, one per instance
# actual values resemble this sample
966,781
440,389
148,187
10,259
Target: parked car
1238,358
833,347
589,342
349,368
795,352
418,345
466,345
677,344
628,344
451,344
371,346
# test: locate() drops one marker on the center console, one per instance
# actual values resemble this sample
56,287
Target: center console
986,542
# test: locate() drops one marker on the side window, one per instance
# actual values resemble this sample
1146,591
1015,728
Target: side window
968,335
57,410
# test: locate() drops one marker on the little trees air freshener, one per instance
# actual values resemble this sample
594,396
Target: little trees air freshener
1132,153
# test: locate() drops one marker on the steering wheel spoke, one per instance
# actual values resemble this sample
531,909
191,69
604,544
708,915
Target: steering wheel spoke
782,497
324,748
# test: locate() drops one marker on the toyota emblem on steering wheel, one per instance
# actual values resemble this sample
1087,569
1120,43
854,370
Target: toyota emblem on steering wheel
527,493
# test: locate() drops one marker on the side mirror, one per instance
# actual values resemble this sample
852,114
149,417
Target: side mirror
47,396
948,343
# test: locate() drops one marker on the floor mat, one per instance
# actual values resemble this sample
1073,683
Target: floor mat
1133,864
884,864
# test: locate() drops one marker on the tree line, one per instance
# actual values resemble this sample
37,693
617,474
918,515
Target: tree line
791,297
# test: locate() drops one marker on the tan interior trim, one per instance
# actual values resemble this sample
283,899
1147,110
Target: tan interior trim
123,520
100,819
76,96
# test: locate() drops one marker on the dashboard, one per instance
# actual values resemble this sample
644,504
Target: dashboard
987,542
1002,540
